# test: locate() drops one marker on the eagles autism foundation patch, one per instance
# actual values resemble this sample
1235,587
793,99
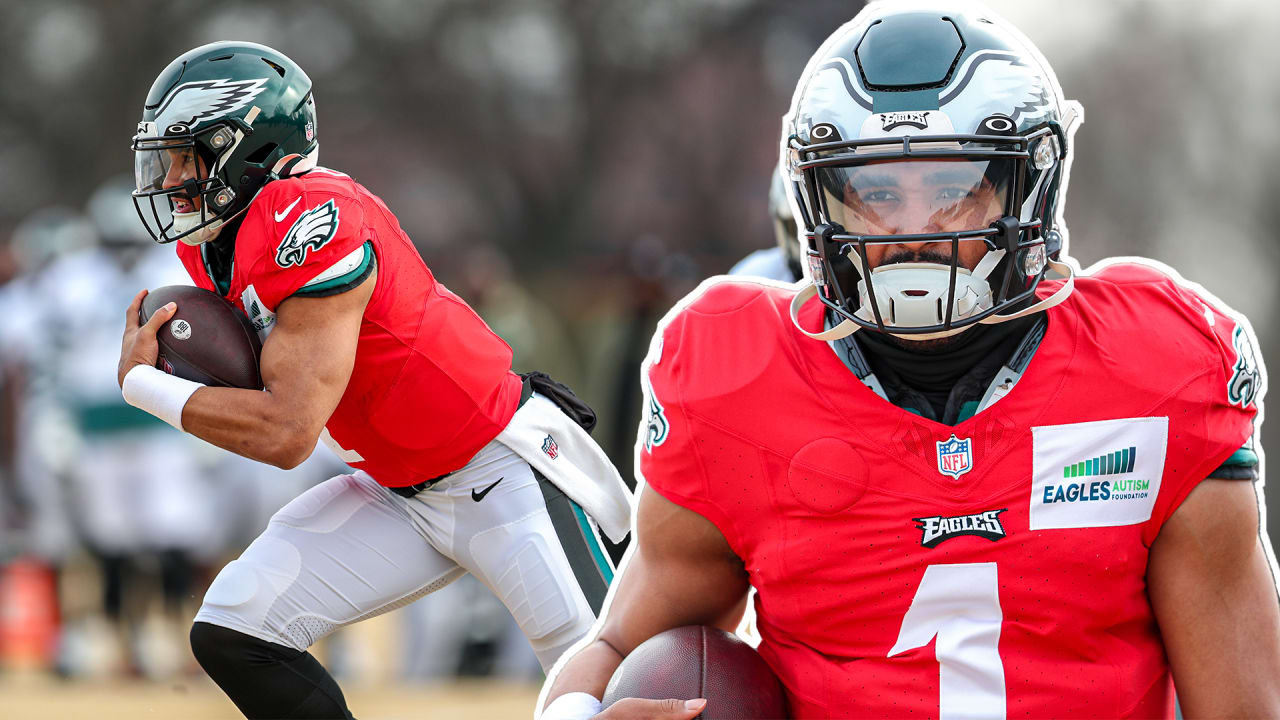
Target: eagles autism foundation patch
1097,474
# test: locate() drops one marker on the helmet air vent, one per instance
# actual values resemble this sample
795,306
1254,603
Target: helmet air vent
911,51
279,70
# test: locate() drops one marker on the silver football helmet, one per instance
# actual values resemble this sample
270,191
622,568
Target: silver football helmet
929,146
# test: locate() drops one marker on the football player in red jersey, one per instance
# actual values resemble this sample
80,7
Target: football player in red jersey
959,487
461,465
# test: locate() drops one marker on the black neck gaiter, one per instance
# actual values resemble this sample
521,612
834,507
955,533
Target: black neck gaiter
934,367
219,255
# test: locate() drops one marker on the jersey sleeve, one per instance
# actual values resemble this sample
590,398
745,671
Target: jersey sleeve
1242,465
309,242
667,447
1215,437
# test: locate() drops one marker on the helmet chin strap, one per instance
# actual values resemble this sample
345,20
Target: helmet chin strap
847,327
184,222
296,164
913,294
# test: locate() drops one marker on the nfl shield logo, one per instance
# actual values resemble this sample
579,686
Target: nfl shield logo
550,448
955,456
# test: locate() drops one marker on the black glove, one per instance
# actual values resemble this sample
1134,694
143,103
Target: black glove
563,397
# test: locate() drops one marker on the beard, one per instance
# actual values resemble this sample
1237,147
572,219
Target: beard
924,255
931,345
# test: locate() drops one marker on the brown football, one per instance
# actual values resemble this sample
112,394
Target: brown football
701,662
207,340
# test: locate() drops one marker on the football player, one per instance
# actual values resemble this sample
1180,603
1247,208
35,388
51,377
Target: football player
782,261
961,488
461,465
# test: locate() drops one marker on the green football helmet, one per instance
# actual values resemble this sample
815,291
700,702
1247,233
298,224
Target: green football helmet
928,145
220,122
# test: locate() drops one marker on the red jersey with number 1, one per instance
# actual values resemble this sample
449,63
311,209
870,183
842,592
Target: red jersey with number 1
432,384
996,568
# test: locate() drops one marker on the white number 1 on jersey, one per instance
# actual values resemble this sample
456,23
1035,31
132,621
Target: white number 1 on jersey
960,605
345,455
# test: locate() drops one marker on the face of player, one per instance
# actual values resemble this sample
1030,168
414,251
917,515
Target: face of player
163,166
184,164
916,197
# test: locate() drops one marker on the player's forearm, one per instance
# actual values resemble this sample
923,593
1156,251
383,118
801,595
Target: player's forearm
253,423
588,671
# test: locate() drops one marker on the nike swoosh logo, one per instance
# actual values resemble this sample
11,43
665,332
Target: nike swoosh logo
478,496
280,216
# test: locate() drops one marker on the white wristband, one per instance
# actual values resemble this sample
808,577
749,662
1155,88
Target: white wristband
572,706
158,392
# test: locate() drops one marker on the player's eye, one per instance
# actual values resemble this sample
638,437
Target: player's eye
879,196
180,159
955,193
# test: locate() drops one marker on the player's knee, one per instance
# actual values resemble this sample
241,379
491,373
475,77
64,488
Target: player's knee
222,651
554,641
204,643
243,594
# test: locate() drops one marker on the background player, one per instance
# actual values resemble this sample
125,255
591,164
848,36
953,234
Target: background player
462,467
917,529
782,261
142,492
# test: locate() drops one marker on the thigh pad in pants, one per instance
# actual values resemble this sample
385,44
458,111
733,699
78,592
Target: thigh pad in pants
341,552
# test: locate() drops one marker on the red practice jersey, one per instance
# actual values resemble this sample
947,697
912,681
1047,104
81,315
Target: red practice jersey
432,384
996,568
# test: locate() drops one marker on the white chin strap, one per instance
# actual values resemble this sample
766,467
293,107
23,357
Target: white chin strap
182,222
915,294
970,299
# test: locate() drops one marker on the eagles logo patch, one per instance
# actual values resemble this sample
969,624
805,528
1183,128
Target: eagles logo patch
891,120
311,231
939,528
1242,387
656,425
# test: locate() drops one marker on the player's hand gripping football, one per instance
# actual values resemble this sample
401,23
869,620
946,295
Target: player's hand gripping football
636,709
139,346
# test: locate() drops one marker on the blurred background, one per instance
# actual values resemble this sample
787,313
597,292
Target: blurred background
571,168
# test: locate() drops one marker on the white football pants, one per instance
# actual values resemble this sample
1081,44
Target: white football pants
349,549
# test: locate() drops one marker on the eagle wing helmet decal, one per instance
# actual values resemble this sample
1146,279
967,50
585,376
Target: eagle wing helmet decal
193,102
312,230
1007,82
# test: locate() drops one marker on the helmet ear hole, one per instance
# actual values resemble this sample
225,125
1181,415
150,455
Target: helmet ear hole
260,155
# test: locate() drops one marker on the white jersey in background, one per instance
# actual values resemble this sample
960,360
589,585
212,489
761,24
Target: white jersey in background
770,263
